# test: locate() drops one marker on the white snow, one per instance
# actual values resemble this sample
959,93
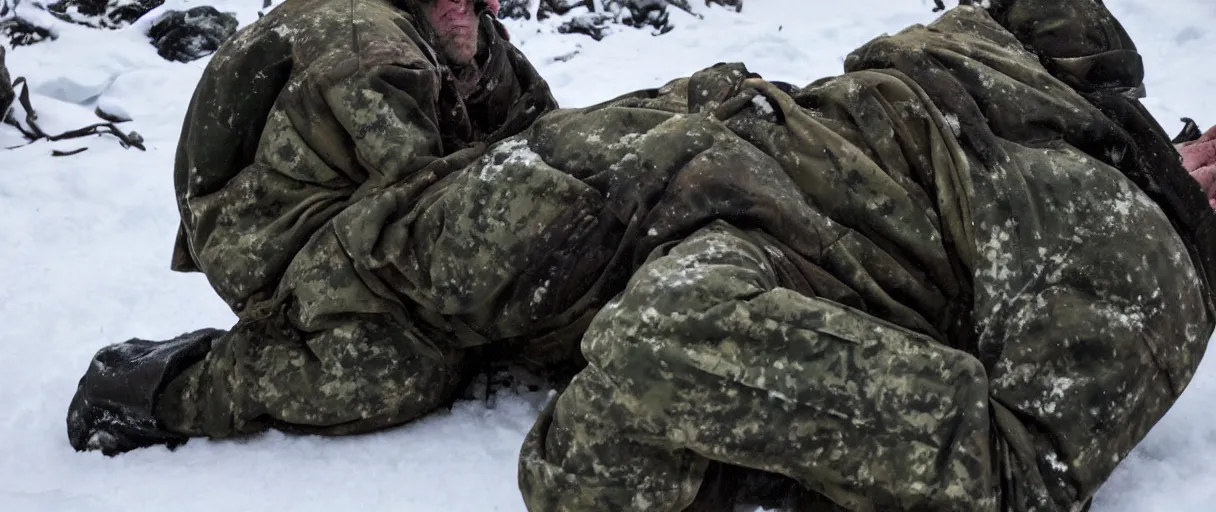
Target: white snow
762,104
955,127
85,243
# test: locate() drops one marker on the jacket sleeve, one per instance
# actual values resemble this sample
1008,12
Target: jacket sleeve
347,125
1080,43
1090,311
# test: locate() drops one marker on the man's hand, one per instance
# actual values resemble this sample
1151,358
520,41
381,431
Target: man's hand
1199,158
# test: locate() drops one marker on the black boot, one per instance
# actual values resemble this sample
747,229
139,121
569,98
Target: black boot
115,400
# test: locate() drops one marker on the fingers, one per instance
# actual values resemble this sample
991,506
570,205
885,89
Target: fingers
1199,153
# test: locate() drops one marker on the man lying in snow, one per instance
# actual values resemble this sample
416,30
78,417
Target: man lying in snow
968,274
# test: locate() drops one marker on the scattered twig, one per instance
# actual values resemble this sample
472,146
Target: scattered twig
33,132
113,118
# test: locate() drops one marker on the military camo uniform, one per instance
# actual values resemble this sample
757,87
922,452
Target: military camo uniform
940,283
968,274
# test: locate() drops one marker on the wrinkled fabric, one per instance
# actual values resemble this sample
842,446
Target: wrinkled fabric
1199,158
932,283
314,139
290,123
961,276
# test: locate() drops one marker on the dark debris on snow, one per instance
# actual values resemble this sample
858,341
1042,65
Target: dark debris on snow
184,36
586,19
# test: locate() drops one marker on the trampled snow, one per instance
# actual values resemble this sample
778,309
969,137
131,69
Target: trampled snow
85,243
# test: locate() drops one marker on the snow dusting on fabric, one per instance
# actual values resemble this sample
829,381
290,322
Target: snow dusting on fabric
87,240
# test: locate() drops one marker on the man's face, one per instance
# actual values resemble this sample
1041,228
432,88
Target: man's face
456,24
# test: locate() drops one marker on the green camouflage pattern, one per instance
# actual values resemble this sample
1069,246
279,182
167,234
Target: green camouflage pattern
961,276
315,139
947,168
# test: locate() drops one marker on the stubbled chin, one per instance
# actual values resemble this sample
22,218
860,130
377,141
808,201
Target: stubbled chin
462,53
460,42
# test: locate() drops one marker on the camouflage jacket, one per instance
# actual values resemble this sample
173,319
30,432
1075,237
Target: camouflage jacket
950,183
990,181
893,189
313,106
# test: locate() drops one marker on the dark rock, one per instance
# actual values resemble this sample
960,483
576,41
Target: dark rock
130,10
184,36
518,9
102,13
583,18
514,9
596,24
561,7
18,30
6,88
21,32
641,13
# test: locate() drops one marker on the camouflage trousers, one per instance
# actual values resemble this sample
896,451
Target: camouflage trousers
706,357
362,375
1088,314
1088,319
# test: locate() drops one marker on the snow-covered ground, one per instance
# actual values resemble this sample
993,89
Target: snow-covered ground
85,243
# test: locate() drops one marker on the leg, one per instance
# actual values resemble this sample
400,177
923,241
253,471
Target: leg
359,376
362,374
704,356
1088,309
306,367
1090,312
294,368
